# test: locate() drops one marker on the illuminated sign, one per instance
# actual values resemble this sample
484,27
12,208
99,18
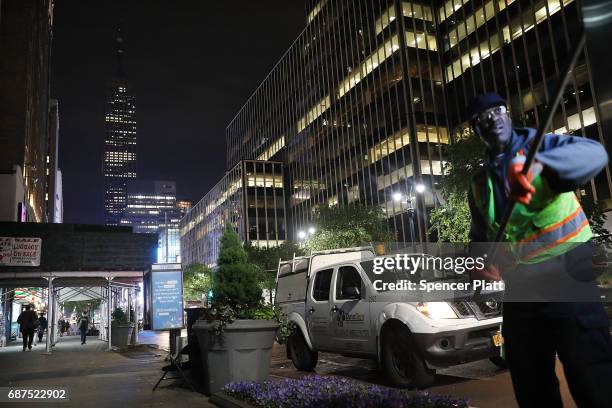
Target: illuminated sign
167,299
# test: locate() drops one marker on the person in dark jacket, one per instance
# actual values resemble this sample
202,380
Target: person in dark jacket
27,324
549,235
42,326
61,324
83,325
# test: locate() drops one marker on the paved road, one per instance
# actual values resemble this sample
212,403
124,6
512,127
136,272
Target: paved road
96,377
481,382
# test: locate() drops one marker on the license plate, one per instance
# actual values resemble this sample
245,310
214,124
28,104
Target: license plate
498,339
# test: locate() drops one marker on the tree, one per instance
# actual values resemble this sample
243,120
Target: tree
235,281
597,219
452,221
348,226
197,281
266,261
80,306
465,158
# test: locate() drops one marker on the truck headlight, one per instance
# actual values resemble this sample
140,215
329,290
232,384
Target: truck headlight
436,310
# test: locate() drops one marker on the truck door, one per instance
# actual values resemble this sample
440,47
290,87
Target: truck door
351,312
318,309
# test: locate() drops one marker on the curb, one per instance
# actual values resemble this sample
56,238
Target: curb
223,400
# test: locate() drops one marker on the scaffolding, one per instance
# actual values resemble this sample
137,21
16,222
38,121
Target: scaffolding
110,290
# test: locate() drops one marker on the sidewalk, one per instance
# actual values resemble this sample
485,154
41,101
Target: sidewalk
96,377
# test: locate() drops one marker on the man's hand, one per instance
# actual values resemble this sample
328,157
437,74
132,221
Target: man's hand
518,185
489,273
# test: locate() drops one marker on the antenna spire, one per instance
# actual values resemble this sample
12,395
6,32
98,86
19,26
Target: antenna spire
119,50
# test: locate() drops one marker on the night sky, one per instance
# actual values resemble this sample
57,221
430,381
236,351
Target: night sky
192,65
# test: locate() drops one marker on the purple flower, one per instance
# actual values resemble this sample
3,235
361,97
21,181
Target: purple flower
328,391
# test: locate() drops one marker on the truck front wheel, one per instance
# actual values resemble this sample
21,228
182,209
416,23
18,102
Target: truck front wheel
303,358
404,365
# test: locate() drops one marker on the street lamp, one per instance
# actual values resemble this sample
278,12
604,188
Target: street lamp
397,197
419,188
301,234
311,230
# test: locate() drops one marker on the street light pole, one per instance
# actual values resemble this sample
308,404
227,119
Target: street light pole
411,210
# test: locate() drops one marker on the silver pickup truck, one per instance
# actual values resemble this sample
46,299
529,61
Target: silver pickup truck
331,299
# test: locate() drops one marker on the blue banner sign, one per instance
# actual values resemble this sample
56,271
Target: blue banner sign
167,300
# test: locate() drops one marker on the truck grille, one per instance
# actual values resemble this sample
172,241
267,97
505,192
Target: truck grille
462,309
490,308
481,310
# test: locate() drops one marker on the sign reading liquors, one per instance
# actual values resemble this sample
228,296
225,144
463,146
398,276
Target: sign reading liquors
20,251
167,299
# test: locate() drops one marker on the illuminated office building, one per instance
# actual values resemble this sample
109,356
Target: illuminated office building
119,141
361,105
250,196
169,242
150,205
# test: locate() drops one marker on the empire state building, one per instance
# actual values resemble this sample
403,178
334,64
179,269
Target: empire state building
120,140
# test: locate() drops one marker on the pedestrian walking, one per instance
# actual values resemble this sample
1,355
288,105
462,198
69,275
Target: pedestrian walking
83,324
550,239
61,323
27,323
42,326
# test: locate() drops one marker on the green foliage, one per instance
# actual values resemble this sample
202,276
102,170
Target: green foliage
597,218
235,281
197,281
465,157
238,283
119,316
80,306
266,261
223,315
267,258
348,226
231,251
219,316
452,221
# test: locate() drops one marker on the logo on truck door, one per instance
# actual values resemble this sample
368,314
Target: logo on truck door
347,317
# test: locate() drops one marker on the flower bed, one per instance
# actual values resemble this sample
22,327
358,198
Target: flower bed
322,392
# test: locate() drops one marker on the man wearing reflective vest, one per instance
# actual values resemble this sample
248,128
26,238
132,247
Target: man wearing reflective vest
550,239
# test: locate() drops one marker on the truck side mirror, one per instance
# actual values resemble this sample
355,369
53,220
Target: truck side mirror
351,292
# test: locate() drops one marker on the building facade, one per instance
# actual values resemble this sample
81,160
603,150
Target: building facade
152,207
149,204
119,162
360,107
54,200
26,28
252,197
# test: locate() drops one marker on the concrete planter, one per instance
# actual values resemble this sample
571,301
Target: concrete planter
121,334
241,353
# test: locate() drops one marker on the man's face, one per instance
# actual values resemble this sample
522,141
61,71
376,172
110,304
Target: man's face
494,127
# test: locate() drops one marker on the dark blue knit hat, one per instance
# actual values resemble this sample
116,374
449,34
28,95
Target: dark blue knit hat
484,102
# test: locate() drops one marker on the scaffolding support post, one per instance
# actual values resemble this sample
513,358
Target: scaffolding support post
108,311
50,307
